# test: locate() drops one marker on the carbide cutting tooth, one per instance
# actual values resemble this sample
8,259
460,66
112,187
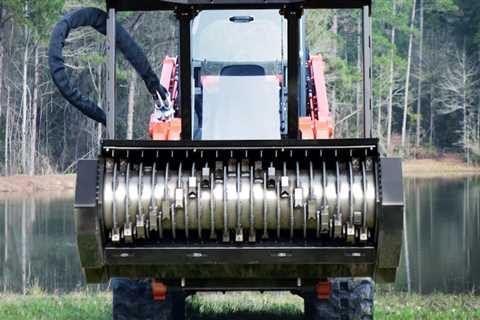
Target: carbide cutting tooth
244,168
284,187
239,235
356,164
312,210
324,221
271,178
226,237
363,235
252,237
205,184
231,168
258,175
298,197
179,198
140,226
218,176
115,235
192,187
128,233
337,227
153,219
350,233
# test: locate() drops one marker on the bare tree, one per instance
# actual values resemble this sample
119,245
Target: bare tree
391,79
25,108
333,91
132,85
7,134
35,104
457,90
420,76
407,76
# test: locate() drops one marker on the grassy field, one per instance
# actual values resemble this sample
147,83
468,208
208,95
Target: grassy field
239,306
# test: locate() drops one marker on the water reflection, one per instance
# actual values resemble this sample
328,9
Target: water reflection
442,233
37,241
37,244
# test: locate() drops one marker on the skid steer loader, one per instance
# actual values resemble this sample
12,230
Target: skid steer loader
241,186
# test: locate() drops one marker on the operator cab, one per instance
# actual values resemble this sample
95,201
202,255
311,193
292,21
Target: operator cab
239,67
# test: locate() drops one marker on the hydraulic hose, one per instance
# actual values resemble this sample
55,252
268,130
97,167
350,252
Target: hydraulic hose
97,19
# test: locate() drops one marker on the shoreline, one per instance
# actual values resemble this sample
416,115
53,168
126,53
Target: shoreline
37,184
438,168
425,168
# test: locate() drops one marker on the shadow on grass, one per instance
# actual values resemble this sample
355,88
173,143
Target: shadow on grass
244,307
244,315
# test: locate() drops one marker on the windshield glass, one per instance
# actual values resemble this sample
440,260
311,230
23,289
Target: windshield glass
239,36
238,60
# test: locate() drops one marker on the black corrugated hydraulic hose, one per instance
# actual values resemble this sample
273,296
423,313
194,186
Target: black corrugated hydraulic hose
97,19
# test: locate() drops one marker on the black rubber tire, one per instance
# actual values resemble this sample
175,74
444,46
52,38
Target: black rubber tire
351,299
133,300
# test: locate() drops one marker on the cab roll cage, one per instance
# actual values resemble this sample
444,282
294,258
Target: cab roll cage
186,10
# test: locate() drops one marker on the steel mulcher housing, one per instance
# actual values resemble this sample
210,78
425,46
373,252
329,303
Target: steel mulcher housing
252,210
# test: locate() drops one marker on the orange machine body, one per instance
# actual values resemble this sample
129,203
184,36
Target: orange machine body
318,125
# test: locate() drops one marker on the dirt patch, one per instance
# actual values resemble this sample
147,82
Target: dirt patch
34,184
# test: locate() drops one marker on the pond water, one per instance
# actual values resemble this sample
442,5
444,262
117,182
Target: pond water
440,252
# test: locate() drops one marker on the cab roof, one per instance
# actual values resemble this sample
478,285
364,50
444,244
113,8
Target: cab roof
150,5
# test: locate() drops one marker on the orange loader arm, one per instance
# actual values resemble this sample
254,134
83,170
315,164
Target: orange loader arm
319,124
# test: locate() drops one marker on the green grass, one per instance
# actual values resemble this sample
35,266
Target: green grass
37,305
238,306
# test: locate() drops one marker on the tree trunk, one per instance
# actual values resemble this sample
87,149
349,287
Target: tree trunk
464,103
407,77
7,133
2,53
432,116
334,58
24,247
379,119
358,91
35,103
5,252
420,75
25,104
390,82
132,84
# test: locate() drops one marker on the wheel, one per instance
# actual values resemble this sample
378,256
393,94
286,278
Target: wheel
350,299
133,299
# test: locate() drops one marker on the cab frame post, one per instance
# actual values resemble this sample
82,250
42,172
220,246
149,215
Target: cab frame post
293,14
367,72
111,73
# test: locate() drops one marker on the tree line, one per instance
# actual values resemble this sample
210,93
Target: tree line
425,79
